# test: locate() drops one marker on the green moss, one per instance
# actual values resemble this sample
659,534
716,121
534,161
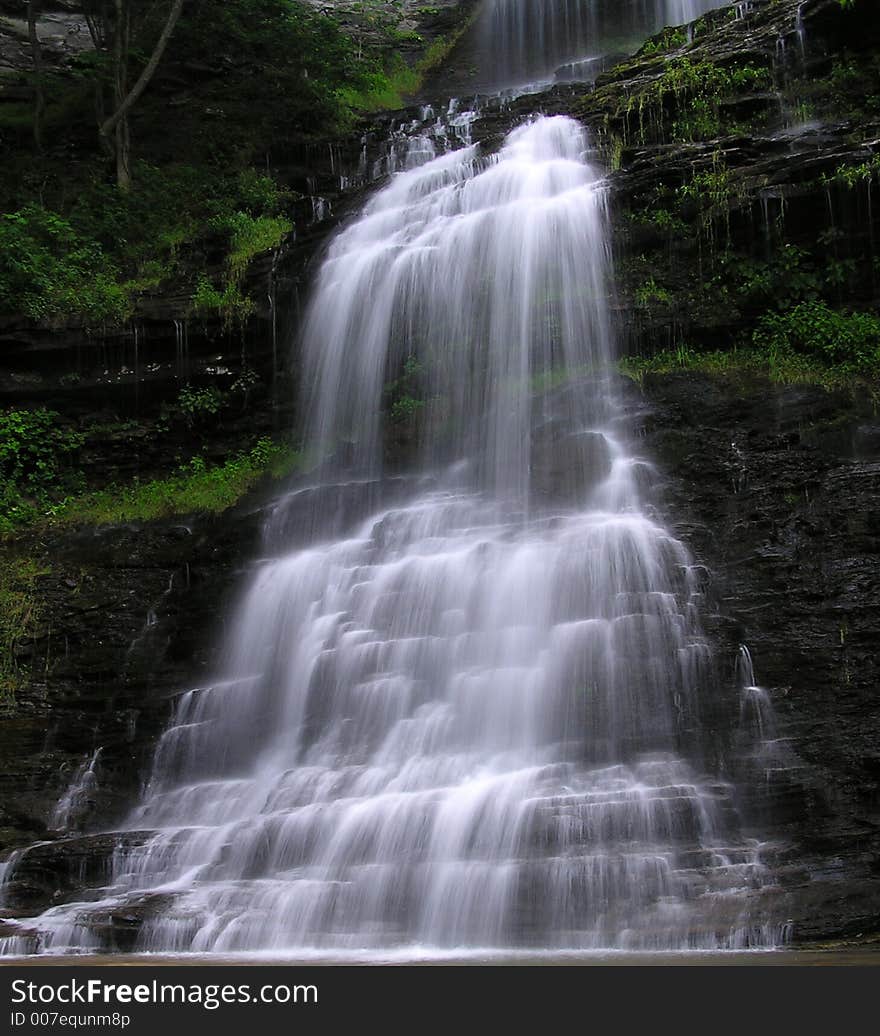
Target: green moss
195,488
782,367
19,615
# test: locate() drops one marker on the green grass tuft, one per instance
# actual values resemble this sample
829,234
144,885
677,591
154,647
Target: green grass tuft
196,488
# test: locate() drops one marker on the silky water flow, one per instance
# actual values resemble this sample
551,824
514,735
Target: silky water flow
461,708
526,39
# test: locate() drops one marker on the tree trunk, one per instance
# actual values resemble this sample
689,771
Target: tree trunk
37,59
122,137
117,123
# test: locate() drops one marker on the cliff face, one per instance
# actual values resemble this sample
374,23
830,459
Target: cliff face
777,490
716,179
775,486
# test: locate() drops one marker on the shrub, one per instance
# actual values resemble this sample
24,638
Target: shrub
48,270
199,404
851,340
34,468
229,302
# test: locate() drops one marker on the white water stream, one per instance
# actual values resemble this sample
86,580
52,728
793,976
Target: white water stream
467,716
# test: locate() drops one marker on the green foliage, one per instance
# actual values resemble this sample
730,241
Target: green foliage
197,487
651,293
290,66
660,218
50,271
34,463
74,268
404,394
406,407
229,302
853,175
197,404
249,237
380,89
711,190
670,39
706,79
688,97
261,77
788,277
849,340
782,367
172,216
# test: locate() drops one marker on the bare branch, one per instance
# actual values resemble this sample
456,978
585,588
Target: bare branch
144,79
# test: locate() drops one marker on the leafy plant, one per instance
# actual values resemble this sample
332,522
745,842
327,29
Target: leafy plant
651,293
851,340
406,407
34,463
249,236
229,301
198,404
48,271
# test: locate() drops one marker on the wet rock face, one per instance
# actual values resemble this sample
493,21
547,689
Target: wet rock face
566,463
131,616
777,489
51,872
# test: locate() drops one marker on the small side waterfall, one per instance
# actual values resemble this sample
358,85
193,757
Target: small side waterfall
468,716
529,39
769,763
75,802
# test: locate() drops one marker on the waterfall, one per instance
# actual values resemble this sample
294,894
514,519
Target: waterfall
468,717
75,802
525,39
461,707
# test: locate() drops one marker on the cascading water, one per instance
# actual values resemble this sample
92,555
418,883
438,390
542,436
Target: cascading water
461,709
529,39
472,720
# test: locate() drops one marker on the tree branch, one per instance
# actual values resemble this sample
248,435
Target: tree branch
144,79
33,14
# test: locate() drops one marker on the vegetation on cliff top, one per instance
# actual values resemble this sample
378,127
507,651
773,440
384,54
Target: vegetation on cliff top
239,84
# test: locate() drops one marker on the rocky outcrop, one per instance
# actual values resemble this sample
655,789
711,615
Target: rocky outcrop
777,489
131,616
743,163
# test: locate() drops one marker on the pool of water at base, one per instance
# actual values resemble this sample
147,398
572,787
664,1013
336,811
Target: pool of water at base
849,956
